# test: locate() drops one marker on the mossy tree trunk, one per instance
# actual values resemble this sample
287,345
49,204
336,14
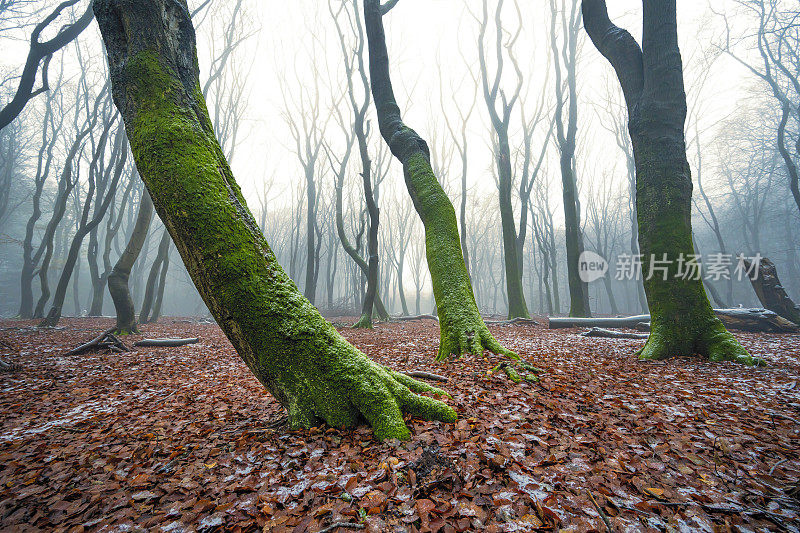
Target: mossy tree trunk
118,279
298,356
462,329
683,322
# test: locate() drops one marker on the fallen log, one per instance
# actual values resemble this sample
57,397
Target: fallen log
417,317
165,343
426,375
755,320
771,293
609,334
512,322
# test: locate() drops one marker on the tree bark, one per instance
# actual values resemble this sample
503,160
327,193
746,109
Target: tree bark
517,306
151,288
566,131
683,322
461,327
86,225
120,274
298,356
771,293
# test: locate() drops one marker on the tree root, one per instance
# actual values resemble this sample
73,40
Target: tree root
364,390
365,322
714,342
512,371
426,375
473,341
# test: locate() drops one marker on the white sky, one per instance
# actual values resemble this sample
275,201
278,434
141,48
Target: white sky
426,41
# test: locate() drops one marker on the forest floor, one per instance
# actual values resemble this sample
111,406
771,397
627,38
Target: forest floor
187,439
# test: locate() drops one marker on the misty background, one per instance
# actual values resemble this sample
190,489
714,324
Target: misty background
276,86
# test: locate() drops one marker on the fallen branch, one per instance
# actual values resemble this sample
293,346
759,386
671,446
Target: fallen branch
426,375
337,525
758,320
96,342
512,322
608,334
600,512
165,343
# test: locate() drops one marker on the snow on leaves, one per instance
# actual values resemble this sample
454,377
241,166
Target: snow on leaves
185,438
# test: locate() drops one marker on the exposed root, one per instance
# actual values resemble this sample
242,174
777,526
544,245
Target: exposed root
372,392
473,341
365,322
714,342
512,370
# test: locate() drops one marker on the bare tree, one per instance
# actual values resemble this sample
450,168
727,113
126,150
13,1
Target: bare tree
683,321
462,328
41,53
495,97
565,13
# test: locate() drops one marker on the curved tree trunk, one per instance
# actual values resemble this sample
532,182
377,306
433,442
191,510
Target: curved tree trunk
462,329
298,356
86,226
363,266
162,283
683,322
120,274
151,288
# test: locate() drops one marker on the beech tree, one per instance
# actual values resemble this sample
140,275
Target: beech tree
565,14
120,274
355,69
651,76
461,326
495,96
40,53
298,356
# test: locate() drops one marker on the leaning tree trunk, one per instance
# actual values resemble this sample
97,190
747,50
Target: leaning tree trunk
683,322
121,273
298,356
162,283
462,329
151,287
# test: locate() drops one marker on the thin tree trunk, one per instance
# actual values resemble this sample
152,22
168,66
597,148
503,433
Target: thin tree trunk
151,289
120,274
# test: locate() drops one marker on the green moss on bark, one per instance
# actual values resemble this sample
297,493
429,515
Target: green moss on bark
682,319
298,356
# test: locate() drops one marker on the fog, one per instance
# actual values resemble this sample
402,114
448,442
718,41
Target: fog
275,82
